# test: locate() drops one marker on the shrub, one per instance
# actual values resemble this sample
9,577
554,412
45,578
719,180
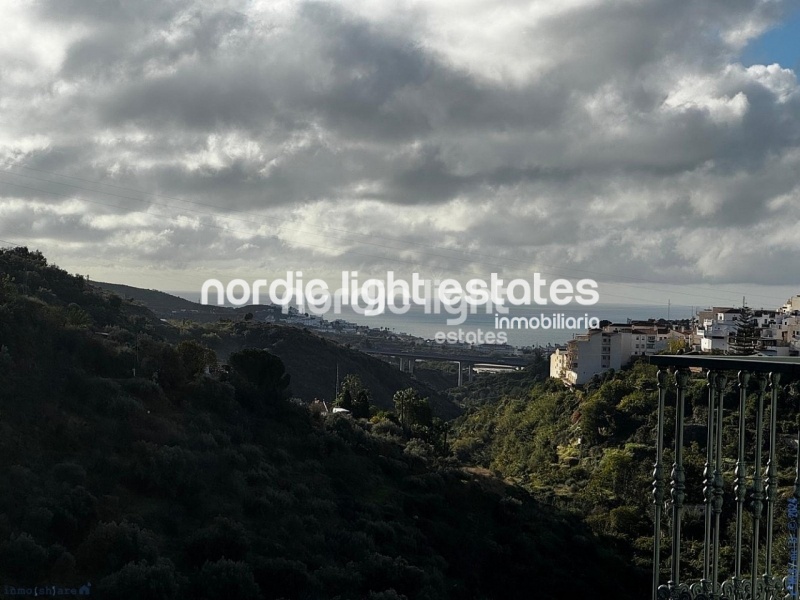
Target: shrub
225,579
142,581
259,377
22,558
224,538
110,546
212,395
282,577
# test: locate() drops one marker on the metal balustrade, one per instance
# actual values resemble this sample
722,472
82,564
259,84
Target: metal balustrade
759,580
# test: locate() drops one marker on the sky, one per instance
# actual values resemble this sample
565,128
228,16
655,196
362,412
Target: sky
652,146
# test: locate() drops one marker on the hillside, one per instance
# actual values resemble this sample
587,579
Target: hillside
168,306
311,360
591,451
179,485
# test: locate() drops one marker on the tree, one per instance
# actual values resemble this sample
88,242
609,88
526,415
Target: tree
361,404
412,410
142,580
344,400
354,397
259,376
196,357
171,373
674,346
76,317
746,337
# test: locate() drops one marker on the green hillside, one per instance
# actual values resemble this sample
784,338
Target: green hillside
312,361
591,451
175,484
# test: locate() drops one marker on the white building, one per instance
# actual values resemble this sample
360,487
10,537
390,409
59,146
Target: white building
716,328
616,344
792,306
560,363
589,354
780,333
611,347
647,339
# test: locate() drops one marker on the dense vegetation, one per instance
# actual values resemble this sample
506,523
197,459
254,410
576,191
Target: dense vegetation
168,482
316,361
491,387
591,451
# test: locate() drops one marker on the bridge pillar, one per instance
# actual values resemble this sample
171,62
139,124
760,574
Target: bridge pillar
411,363
460,374
470,372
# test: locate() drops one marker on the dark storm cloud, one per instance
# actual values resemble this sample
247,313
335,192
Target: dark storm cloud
615,136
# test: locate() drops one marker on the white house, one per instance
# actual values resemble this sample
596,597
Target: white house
792,306
590,354
780,333
717,327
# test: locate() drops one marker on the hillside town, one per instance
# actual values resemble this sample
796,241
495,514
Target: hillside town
717,330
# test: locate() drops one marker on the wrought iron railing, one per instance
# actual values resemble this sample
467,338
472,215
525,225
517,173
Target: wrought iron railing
757,581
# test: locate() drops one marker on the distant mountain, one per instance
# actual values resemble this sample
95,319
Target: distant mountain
167,306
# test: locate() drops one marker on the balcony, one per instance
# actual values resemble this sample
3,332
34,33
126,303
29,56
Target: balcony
755,488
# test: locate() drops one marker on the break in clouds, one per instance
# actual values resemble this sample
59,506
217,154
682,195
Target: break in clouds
619,140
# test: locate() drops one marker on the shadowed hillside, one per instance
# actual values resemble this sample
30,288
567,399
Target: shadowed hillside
168,306
313,361
178,484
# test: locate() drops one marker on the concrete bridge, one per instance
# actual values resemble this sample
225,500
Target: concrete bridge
465,362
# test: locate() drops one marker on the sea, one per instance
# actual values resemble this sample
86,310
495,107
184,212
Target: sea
535,326
564,322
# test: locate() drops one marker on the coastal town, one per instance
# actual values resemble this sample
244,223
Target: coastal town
590,353
717,330
611,346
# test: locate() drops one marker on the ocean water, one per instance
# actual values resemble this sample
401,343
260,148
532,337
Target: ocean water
416,322
569,321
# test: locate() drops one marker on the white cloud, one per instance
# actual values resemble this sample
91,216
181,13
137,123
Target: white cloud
621,138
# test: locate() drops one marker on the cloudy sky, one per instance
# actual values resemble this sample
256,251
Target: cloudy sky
651,145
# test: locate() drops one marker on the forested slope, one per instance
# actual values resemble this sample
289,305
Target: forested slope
175,484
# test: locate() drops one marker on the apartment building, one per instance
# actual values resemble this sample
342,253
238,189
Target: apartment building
611,347
615,344
589,354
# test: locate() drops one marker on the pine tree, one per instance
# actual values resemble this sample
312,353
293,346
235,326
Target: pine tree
746,338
